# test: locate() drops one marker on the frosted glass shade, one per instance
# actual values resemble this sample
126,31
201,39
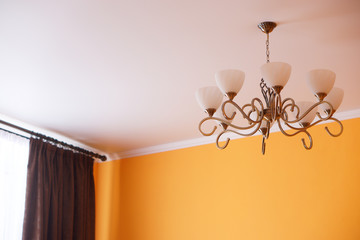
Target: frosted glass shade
303,107
335,98
230,80
209,97
275,73
321,80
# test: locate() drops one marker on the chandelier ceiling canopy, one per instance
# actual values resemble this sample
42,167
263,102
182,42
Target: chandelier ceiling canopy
261,115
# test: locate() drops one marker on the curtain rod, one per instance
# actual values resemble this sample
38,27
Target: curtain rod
53,140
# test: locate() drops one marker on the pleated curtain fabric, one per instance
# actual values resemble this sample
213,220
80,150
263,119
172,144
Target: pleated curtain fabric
60,195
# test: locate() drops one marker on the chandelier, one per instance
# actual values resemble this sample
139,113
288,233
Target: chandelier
292,118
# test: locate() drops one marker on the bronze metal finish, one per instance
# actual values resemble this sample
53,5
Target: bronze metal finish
279,111
278,89
304,124
267,27
224,126
320,96
267,114
231,95
210,111
328,111
263,131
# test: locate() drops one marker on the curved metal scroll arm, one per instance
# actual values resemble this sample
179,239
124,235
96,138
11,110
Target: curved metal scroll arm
310,140
232,131
341,128
201,123
293,106
218,138
228,124
254,108
252,123
301,130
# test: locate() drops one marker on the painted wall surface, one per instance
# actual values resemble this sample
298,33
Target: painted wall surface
236,193
107,199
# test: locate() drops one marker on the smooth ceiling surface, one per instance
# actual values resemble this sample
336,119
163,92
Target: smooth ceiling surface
121,75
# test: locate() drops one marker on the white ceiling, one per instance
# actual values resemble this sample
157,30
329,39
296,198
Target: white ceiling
121,75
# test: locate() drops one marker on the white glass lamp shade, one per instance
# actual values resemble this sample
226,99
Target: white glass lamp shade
209,97
335,98
303,107
275,73
321,80
230,80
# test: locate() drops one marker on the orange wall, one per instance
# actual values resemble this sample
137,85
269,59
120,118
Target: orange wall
107,198
236,193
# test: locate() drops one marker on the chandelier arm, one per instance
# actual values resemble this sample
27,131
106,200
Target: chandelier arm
275,106
303,115
279,100
200,124
341,128
295,128
232,131
279,105
254,107
259,114
257,100
238,108
304,143
223,110
329,114
298,130
244,134
283,106
303,130
245,116
240,128
251,111
227,123
307,133
218,138
292,103
285,115
283,112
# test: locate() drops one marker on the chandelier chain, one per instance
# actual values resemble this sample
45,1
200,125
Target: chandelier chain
267,49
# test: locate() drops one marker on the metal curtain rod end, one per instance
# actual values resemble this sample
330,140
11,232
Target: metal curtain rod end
267,27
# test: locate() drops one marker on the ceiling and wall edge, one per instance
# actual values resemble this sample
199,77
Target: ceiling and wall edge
48,133
148,150
206,140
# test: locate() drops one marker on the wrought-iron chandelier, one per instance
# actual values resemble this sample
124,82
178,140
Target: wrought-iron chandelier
260,116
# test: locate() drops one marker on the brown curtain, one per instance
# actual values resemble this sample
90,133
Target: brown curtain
60,196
